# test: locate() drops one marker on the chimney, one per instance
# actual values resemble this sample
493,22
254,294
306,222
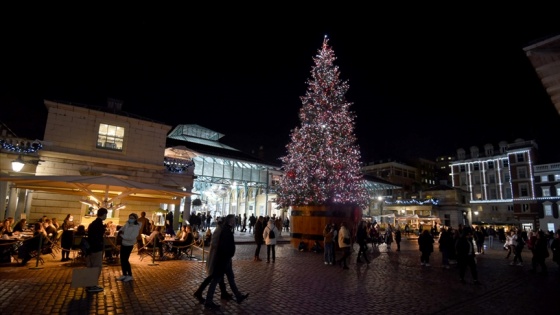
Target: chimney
114,104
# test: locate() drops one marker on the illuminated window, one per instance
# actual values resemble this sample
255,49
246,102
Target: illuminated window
544,178
546,191
110,137
548,210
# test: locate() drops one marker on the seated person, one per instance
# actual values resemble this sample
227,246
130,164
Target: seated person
158,237
182,232
20,226
186,238
197,237
81,230
207,237
32,244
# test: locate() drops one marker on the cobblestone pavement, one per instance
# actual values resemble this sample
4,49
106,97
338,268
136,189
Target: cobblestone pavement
297,283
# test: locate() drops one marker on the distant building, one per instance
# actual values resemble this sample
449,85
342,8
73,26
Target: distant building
500,182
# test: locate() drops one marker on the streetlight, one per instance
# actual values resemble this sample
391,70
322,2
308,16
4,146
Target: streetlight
17,164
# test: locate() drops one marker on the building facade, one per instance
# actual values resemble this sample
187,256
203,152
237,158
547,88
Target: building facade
500,182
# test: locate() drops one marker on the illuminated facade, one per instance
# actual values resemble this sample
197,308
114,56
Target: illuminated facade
500,183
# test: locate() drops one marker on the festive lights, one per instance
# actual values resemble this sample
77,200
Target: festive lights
322,164
21,147
176,165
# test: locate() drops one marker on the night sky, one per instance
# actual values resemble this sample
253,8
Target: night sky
421,85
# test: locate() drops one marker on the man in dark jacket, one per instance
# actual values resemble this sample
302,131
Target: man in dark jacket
223,264
464,248
259,229
94,256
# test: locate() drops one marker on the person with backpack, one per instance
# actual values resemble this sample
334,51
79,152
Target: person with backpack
269,235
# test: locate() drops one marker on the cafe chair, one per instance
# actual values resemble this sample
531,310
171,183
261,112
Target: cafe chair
147,248
76,249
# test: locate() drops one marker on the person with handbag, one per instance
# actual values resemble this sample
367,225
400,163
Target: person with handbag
344,244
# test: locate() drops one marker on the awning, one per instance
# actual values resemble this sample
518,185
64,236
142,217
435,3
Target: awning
103,189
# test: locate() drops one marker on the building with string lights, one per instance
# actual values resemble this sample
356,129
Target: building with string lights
187,169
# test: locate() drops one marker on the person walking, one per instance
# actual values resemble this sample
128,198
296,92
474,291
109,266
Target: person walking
511,242
328,233
521,241
94,258
466,255
540,253
479,240
344,242
361,239
398,238
244,224
259,239
389,236
252,221
491,236
269,235
445,246
210,268
426,245
129,233
222,264
169,223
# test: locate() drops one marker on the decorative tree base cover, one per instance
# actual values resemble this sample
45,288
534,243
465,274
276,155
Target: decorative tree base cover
308,222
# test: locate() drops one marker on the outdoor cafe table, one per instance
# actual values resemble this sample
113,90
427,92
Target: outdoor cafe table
10,245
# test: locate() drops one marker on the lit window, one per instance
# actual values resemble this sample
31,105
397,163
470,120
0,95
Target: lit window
546,191
110,137
544,178
548,210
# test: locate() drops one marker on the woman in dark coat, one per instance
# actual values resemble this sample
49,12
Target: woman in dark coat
540,253
426,244
67,237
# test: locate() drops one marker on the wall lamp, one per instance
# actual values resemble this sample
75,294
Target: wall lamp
17,164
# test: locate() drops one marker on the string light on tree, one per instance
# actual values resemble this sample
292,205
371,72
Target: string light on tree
322,164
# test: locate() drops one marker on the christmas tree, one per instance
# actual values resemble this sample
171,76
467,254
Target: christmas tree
322,164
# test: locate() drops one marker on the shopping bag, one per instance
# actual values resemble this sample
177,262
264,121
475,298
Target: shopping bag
85,277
